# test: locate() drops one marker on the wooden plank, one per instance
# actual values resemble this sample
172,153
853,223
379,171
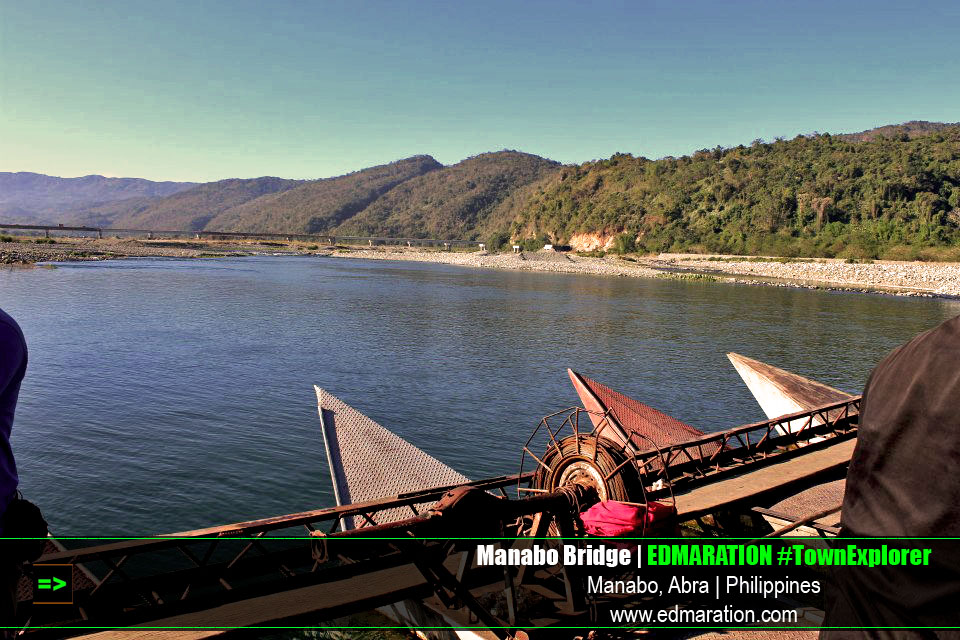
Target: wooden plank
780,392
752,485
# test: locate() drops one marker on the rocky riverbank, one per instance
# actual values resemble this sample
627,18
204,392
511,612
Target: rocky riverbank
527,261
899,278
29,251
902,278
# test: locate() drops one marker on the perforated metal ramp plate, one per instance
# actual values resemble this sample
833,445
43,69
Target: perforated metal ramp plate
368,461
816,498
634,416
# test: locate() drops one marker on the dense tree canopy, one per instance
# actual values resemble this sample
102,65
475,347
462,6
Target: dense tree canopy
813,195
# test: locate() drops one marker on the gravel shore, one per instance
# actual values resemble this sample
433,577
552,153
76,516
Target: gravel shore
75,249
902,278
539,261
899,278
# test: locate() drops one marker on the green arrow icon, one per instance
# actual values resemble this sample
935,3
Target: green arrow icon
45,583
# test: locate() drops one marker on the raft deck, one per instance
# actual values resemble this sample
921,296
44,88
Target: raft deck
766,481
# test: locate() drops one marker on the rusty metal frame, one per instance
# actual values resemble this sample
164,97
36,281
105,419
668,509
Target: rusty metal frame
702,459
758,442
219,573
222,559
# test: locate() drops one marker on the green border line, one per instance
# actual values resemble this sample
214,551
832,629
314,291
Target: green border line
452,628
307,537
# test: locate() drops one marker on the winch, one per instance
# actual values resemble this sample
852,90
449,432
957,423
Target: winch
580,447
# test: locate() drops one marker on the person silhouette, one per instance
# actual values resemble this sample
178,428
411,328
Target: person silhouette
13,366
902,482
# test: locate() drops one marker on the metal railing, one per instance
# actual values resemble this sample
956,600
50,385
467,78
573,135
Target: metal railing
208,233
726,452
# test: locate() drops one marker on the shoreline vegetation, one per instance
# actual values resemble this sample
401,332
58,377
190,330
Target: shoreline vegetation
931,279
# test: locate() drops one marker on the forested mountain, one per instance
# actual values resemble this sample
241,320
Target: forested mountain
416,197
893,191
34,197
813,195
320,205
190,210
453,202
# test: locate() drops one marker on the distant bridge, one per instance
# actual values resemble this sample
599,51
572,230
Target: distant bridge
222,235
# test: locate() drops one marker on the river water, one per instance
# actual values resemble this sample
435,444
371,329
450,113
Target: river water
165,394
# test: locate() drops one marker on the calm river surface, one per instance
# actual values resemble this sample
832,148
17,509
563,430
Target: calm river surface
165,395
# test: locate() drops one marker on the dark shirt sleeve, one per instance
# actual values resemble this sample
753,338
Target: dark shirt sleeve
13,365
13,354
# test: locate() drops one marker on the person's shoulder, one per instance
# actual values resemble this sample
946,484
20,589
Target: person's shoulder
942,341
945,335
9,329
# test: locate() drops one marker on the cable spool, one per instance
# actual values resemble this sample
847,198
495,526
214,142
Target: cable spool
591,461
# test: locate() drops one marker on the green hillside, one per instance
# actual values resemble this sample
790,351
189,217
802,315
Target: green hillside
814,195
453,202
191,209
320,205
912,129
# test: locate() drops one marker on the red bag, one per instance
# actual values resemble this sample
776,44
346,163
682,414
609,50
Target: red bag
612,518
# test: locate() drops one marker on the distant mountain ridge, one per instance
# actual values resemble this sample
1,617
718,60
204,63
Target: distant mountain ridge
889,191
414,197
906,130
321,205
36,197
191,209
451,202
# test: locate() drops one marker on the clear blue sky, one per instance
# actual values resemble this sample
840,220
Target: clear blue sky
204,90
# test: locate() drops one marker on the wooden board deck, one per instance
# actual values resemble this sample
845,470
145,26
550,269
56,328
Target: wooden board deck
780,392
766,480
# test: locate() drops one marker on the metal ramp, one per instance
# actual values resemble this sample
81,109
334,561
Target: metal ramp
368,461
634,417
779,392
